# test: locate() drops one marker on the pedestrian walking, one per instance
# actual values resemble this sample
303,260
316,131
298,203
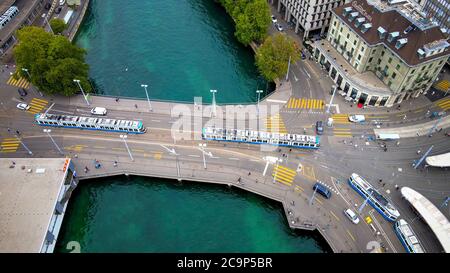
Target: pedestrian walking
9,130
117,99
249,173
135,106
17,131
115,163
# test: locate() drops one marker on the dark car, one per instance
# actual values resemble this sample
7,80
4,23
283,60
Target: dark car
58,10
48,6
22,92
322,190
319,127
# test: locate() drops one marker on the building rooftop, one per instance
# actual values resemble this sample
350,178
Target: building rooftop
394,22
27,201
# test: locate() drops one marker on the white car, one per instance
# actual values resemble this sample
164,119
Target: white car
62,2
23,106
352,216
274,20
357,118
99,111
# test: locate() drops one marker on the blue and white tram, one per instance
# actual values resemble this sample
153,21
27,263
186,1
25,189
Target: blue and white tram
407,237
375,199
90,123
259,137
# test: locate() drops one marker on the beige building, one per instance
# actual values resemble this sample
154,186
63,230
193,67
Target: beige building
380,52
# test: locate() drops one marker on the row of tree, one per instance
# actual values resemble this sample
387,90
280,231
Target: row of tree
252,19
52,61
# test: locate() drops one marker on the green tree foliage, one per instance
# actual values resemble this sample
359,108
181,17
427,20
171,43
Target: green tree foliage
52,61
252,18
58,25
272,57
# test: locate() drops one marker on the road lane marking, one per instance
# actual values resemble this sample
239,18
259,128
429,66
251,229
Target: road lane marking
382,231
233,158
337,218
320,202
351,236
194,155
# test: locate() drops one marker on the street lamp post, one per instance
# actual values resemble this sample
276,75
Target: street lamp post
331,100
364,203
202,148
146,93
214,101
312,197
23,144
48,131
289,67
82,91
29,77
124,137
259,96
45,19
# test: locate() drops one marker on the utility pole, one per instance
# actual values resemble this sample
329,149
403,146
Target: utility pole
331,100
48,131
417,163
312,197
23,144
29,77
82,91
146,93
202,148
124,137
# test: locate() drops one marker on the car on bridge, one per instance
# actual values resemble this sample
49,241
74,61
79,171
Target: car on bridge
356,118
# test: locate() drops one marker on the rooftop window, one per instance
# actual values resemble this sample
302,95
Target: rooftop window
392,36
381,32
401,42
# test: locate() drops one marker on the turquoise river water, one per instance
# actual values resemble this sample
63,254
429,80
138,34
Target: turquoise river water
181,49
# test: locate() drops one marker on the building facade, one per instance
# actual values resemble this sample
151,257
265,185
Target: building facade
380,53
308,16
28,11
438,10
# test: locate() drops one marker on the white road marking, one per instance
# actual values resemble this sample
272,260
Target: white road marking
194,155
334,185
382,231
309,76
155,120
60,111
233,158
279,101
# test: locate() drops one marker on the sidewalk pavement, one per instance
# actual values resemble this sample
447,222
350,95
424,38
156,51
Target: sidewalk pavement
417,129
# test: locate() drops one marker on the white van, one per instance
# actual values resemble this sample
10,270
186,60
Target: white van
357,118
100,111
352,216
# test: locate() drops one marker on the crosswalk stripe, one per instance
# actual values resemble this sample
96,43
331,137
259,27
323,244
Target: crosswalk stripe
40,100
286,169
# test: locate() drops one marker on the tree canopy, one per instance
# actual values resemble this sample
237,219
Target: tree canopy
272,57
57,25
52,61
252,18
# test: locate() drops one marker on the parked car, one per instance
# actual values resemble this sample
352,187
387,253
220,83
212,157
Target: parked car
322,190
23,106
48,6
62,2
99,111
58,10
22,92
274,20
352,216
279,27
319,127
357,118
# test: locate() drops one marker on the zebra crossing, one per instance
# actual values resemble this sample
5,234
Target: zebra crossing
443,85
329,187
444,104
294,103
275,124
284,175
342,132
21,82
340,118
9,145
36,105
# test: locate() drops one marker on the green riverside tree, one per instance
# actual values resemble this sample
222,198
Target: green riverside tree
58,25
52,61
272,57
252,18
